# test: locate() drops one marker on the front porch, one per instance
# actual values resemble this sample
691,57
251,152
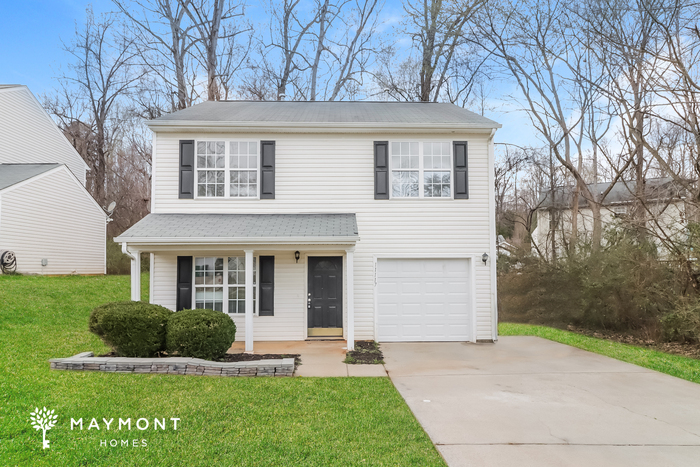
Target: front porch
300,284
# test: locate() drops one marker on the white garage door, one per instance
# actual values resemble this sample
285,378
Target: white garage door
423,300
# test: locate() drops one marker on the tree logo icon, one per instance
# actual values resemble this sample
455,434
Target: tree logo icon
43,420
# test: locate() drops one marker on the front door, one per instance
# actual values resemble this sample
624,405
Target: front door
325,297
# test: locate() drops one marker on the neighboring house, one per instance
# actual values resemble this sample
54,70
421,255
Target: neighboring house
665,199
366,220
47,217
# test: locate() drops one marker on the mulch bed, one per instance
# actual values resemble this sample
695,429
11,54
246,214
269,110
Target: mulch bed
365,353
691,350
239,357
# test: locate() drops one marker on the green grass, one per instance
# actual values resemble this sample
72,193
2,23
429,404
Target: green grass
674,365
224,421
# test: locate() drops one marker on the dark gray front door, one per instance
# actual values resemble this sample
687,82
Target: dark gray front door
325,298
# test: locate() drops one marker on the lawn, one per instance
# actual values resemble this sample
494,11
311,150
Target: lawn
675,365
223,421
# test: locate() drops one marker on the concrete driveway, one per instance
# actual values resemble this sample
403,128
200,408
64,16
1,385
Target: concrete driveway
526,401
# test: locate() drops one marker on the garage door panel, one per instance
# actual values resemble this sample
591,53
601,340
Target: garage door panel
423,300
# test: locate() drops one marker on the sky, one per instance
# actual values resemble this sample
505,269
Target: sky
33,32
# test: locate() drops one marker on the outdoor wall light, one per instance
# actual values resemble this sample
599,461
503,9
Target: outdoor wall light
484,258
296,256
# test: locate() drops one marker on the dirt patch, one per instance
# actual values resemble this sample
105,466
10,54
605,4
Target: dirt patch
236,357
365,353
674,348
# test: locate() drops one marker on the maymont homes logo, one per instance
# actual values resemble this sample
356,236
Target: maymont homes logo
43,420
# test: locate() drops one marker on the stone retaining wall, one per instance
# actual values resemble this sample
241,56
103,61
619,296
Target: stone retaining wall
86,361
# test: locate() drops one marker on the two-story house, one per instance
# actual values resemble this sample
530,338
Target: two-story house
48,220
366,220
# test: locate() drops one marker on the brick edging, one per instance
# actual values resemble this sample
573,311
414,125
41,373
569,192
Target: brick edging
86,361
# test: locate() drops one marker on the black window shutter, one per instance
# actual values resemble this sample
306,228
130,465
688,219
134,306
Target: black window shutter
184,283
186,169
381,170
266,283
267,170
461,163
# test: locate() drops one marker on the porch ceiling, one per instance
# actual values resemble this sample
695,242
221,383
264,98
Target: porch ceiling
243,229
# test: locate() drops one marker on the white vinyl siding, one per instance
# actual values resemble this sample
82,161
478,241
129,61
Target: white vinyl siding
289,321
52,217
30,136
326,173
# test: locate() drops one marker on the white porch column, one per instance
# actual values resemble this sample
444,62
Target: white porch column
249,300
350,275
135,272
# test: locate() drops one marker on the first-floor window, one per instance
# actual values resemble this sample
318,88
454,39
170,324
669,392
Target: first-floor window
215,277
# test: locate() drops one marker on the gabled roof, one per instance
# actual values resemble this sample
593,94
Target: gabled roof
11,174
622,192
342,114
242,228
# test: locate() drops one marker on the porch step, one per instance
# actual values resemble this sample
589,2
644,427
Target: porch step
321,338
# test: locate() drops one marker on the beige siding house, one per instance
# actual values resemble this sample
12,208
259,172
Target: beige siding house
47,218
363,220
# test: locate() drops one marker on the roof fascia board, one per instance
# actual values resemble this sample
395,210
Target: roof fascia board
302,127
238,240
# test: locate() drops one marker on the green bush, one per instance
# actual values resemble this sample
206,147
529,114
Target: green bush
131,329
683,324
203,334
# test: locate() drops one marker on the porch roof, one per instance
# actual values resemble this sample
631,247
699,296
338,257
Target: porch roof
242,229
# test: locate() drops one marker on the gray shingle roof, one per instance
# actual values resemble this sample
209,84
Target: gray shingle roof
238,227
11,174
319,113
623,192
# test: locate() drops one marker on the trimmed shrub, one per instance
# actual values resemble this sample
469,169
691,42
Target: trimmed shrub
206,334
131,329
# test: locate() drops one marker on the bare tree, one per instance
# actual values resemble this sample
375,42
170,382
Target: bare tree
437,28
162,34
213,21
88,104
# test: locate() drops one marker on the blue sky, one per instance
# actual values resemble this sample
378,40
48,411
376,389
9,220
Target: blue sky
32,54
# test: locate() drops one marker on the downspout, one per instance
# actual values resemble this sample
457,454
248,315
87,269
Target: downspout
492,238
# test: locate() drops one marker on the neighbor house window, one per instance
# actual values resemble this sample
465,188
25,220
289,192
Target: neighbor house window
227,169
421,170
214,276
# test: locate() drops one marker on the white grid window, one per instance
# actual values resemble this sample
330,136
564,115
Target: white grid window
208,283
215,276
437,166
227,169
405,170
421,170
243,162
211,165
236,284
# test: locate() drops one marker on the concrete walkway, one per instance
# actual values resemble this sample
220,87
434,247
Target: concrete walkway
318,358
526,401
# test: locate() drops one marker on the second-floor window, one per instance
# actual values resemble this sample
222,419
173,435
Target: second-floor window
227,169
421,170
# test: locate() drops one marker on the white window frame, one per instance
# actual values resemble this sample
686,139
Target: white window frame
421,169
225,284
227,169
